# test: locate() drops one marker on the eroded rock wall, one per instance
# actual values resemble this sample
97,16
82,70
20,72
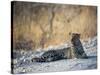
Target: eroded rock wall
45,24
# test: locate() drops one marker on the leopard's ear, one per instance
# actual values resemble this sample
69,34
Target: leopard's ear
78,35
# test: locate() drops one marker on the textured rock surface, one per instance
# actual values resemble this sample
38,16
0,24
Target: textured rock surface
50,24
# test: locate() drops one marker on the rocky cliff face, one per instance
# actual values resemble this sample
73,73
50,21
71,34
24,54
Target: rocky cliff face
41,25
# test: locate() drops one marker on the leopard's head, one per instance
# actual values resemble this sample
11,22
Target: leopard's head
75,35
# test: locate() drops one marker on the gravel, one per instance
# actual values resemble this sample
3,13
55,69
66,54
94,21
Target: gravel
23,64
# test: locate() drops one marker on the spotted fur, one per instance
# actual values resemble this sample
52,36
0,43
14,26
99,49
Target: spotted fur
77,46
53,55
76,51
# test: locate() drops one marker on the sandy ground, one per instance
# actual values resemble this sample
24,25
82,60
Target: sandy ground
23,64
